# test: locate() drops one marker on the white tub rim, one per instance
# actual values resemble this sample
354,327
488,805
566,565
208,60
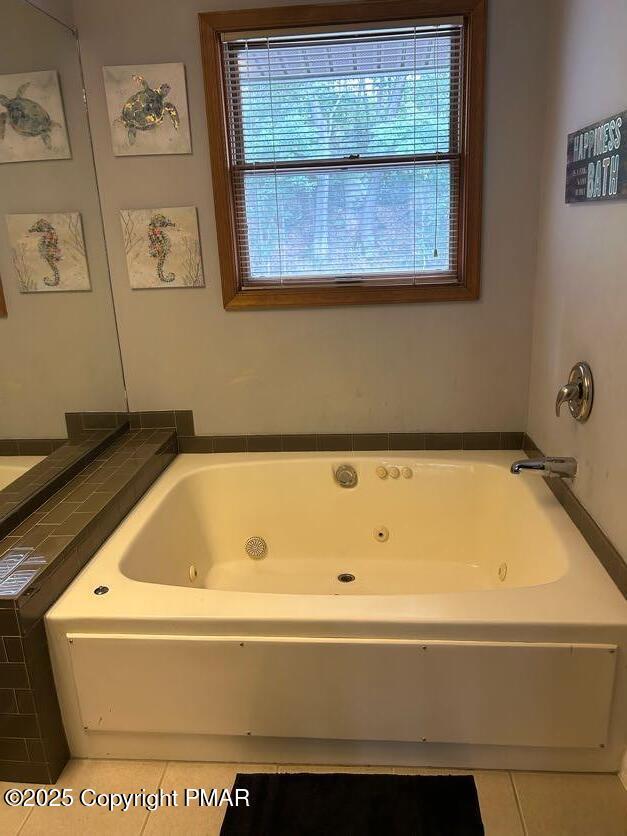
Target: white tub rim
585,595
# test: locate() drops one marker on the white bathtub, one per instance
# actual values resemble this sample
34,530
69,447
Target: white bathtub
12,467
480,630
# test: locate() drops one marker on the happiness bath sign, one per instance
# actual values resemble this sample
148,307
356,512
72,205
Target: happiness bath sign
596,167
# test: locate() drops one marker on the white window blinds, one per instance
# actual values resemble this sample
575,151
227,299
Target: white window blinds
344,151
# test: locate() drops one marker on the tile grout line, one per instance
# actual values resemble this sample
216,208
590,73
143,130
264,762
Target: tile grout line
518,804
21,827
148,813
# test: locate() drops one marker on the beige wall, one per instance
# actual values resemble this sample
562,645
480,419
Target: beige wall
60,9
58,351
581,291
444,367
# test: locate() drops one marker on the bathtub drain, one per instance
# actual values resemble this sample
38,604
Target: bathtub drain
346,577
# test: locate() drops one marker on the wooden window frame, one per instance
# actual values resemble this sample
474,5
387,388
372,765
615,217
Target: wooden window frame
467,287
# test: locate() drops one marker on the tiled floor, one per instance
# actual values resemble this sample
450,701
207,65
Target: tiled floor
512,804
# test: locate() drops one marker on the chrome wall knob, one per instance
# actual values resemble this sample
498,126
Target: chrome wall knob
577,393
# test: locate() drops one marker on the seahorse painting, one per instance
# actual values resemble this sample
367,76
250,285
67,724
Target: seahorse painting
49,249
162,247
159,244
48,252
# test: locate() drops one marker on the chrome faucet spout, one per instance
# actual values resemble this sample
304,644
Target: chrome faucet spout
546,466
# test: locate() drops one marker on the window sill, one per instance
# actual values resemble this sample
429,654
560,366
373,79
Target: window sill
310,297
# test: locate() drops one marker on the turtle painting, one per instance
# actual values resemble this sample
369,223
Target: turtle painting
147,107
31,118
26,117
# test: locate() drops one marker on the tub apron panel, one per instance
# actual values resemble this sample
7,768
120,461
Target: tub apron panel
511,694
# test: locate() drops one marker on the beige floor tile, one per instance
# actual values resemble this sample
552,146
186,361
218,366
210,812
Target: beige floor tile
552,804
194,820
563,804
499,809
12,818
104,776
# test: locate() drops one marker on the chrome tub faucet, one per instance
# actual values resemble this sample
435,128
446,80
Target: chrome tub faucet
547,466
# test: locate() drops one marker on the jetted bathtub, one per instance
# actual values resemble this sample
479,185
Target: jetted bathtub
441,612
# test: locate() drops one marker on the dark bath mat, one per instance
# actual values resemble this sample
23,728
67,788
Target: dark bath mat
348,804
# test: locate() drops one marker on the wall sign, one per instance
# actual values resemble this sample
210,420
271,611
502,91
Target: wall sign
596,166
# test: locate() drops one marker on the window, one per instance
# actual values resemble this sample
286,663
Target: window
346,147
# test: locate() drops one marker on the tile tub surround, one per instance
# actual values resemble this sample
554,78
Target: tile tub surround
40,558
608,555
24,495
88,434
30,446
80,422
327,442
181,420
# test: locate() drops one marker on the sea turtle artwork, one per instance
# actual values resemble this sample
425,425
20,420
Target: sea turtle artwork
145,110
49,249
26,117
32,123
159,244
147,106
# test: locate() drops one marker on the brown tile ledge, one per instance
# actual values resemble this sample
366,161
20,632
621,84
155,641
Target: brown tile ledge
86,508
29,446
25,494
87,433
37,562
608,555
181,420
328,442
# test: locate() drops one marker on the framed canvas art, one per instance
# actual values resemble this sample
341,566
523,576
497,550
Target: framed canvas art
162,247
32,121
48,252
147,105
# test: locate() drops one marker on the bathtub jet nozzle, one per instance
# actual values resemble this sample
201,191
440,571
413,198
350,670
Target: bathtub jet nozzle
346,476
256,547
